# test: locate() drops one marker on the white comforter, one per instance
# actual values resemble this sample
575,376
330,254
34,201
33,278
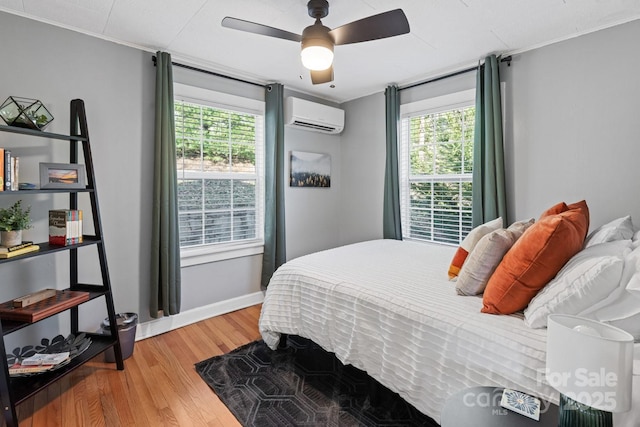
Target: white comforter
387,307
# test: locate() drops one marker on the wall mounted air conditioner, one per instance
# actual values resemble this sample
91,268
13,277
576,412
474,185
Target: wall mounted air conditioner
307,115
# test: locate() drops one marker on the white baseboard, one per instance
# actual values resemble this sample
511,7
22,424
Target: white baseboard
168,323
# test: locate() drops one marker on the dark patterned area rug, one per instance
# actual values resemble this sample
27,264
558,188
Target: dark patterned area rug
302,385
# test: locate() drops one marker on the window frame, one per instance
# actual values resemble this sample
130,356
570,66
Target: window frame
433,105
206,253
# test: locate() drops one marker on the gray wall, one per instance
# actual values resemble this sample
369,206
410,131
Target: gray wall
571,125
570,132
363,159
312,214
116,83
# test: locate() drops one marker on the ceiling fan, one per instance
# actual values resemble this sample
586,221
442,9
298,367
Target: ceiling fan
318,41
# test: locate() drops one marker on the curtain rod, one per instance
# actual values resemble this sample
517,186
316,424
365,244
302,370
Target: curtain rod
506,59
189,67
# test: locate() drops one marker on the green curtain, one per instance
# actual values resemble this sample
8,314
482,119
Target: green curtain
489,195
391,224
165,241
274,225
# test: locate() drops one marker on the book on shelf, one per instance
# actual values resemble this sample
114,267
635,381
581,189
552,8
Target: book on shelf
39,363
2,169
40,359
18,369
7,170
21,251
24,244
15,165
65,227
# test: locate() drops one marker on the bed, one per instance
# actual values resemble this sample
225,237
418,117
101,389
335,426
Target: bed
388,308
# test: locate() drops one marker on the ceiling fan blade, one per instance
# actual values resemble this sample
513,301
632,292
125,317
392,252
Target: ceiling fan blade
386,24
252,27
322,76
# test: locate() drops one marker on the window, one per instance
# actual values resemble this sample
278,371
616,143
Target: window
436,152
220,174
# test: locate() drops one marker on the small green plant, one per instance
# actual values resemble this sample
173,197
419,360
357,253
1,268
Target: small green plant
15,218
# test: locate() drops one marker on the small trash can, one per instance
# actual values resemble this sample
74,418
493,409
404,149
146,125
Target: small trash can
127,323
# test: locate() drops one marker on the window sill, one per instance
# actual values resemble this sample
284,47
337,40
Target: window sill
207,254
430,242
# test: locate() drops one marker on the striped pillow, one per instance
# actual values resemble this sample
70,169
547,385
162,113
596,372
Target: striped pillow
469,243
486,256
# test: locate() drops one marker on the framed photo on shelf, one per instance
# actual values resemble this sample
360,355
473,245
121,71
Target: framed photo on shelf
61,175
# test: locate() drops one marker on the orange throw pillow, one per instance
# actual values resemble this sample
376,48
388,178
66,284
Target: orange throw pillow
555,209
535,259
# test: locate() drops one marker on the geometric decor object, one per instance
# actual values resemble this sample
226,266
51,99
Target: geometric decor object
25,113
302,384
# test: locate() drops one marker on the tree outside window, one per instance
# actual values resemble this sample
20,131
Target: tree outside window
218,181
437,175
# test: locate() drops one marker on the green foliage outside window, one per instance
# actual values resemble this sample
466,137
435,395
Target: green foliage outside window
440,165
215,145
217,139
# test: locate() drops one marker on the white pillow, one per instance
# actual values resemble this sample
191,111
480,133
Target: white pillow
486,256
469,243
618,229
622,307
631,267
588,277
623,313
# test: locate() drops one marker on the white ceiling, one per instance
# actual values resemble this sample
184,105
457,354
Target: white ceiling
446,35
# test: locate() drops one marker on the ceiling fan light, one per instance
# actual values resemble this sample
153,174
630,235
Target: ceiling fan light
316,58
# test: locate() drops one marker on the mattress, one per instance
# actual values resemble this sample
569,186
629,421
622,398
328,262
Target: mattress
388,308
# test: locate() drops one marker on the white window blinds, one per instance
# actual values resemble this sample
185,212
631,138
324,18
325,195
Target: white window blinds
436,173
219,158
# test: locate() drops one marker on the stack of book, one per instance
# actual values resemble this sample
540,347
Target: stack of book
9,166
21,249
65,227
38,363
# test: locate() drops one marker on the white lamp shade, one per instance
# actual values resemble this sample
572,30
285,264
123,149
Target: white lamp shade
316,58
590,362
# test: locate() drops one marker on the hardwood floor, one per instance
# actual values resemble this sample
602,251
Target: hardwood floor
158,387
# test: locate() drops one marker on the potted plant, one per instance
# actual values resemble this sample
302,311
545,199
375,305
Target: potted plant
12,221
